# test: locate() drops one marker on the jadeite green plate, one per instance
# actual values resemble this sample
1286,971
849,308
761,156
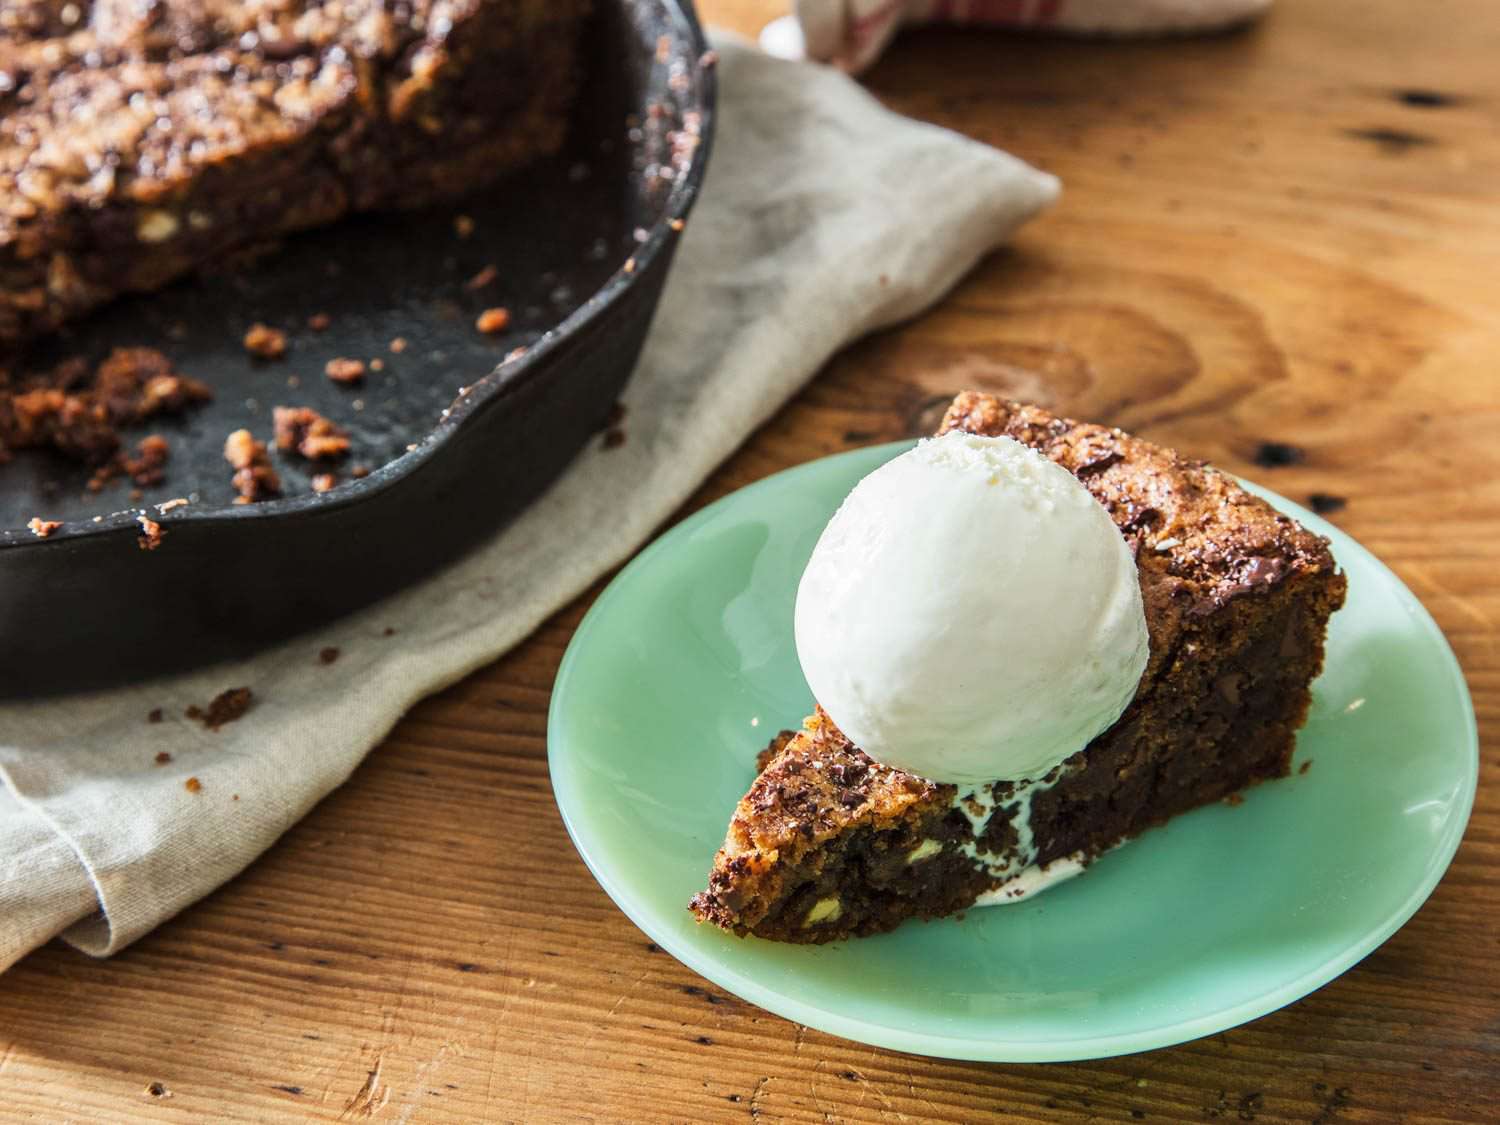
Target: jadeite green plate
685,668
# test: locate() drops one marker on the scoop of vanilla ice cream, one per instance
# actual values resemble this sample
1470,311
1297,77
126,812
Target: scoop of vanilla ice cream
971,613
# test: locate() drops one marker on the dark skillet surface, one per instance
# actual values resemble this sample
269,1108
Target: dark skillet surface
555,234
85,607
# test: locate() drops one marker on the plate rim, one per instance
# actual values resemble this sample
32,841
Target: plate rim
969,1048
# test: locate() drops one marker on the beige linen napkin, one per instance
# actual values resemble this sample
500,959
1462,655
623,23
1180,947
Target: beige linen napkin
815,194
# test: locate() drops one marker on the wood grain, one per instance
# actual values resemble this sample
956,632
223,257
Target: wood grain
1285,236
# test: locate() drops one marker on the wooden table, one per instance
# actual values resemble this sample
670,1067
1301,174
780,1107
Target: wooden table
1286,236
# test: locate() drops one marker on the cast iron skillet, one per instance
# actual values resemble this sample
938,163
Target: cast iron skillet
581,246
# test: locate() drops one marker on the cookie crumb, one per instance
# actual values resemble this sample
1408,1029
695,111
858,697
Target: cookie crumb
493,321
155,716
303,430
324,482
42,528
151,534
677,224
328,655
463,226
377,364
398,345
614,438
264,342
359,472
162,758
388,631
225,707
192,785
254,478
147,466
319,322
483,278
344,370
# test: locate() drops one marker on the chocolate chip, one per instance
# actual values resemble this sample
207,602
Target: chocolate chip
1099,464
1141,520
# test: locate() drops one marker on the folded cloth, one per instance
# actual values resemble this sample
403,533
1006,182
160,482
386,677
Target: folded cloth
851,34
823,217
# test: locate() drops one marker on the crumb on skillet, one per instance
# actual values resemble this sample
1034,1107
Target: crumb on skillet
493,321
254,478
42,528
345,370
79,412
303,430
150,535
483,278
264,342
